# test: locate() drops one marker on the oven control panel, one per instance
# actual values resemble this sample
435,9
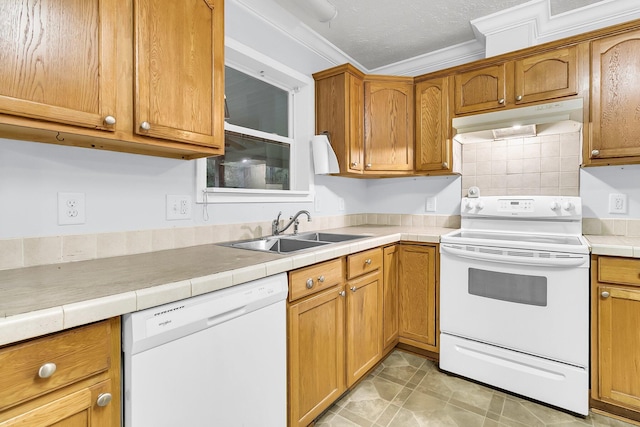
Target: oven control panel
565,207
515,205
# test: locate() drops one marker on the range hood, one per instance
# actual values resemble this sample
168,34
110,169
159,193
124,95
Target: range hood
481,126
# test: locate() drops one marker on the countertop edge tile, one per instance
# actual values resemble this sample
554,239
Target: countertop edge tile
212,282
249,273
84,312
29,325
279,266
162,294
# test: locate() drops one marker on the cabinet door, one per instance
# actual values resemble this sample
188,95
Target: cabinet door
363,325
619,345
388,126
433,125
390,297
77,409
479,90
546,76
58,61
615,79
316,355
340,112
179,70
417,290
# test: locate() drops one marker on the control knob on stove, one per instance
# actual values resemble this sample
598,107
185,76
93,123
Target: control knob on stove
479,205
554,206
567,206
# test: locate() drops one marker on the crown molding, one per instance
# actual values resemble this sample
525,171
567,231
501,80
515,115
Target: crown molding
530,23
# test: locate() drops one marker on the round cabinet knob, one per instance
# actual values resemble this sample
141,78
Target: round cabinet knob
554,206
353,289
145,125
342,293
354,164
605,294
47,370
110,120
367,261
595,153
567,206
519,98
309,283
103,399
501,101
445,165
368,165
321,279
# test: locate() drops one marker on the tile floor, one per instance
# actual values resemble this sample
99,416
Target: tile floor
407,390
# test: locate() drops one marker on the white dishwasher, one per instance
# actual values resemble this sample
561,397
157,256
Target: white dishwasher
214,360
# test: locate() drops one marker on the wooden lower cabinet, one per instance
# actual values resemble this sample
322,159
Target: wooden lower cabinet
418,293
363,325
316,354
616,335
67,379
390,298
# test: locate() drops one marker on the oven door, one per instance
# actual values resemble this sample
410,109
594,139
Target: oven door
530,301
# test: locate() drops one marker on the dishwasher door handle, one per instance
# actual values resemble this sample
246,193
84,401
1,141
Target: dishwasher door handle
571,261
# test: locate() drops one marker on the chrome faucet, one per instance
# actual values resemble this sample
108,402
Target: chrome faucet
275,230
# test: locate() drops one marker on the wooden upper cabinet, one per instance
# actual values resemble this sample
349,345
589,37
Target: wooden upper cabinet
340,112
482,89
388,124
534,78
615,100
546,76
178,71
433,126
58,61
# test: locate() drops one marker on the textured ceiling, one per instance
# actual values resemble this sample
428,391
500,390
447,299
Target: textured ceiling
381,32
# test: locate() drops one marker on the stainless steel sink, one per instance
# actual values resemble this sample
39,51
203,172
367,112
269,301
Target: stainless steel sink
292,243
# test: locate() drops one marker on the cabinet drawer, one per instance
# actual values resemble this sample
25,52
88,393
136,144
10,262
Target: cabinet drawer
619,270
77,354
309,280
364,262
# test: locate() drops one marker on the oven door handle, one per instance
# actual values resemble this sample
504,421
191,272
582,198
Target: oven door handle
510,259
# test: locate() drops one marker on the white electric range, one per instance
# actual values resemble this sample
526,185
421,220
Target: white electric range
514,298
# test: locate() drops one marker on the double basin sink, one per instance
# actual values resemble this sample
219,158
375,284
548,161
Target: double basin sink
288,243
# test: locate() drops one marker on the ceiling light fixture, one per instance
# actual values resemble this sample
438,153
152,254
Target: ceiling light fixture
323,10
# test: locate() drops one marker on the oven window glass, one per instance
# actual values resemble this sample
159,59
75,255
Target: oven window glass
518,288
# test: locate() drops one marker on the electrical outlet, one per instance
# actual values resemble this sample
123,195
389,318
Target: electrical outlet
71,208
617,203
178,207
430,205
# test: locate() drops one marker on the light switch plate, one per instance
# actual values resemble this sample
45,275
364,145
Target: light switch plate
430,204
178,207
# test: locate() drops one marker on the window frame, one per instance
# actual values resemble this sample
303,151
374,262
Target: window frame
246,60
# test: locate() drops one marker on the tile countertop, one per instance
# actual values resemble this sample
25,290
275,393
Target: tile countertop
39,300
614,245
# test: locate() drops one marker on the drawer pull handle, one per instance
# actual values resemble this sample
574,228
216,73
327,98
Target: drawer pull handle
321,279
342,293
47,370
103,399
367,261
353,289
605,294
309,283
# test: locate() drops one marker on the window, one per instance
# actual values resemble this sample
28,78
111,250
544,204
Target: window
266,150
251,161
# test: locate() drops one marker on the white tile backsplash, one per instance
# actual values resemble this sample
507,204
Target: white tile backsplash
540,165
